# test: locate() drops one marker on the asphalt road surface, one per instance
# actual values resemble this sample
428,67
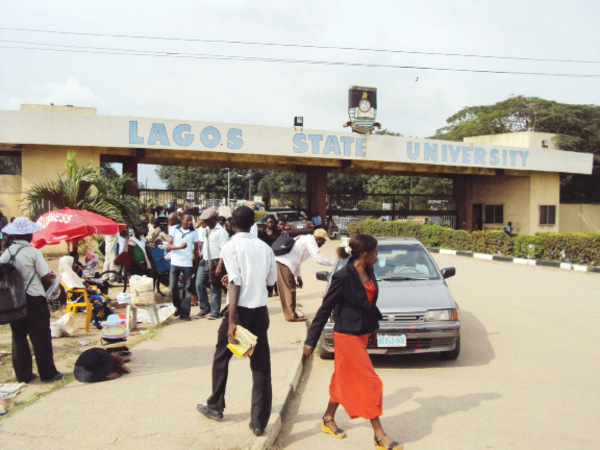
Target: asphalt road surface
528,376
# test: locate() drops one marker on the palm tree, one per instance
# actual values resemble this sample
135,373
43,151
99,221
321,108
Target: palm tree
87,188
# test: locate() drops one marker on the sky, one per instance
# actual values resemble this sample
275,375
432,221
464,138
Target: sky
264,62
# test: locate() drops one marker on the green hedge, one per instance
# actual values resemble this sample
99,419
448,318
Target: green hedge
581,248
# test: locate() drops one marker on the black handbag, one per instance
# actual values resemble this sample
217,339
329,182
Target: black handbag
283,245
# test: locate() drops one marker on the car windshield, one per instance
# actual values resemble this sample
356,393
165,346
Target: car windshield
401,262
291,216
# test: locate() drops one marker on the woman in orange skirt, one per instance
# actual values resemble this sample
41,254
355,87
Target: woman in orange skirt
354,383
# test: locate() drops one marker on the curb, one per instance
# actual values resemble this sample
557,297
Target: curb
522,261
286,394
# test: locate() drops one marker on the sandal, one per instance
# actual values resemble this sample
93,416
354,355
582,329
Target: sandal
338,433
393,446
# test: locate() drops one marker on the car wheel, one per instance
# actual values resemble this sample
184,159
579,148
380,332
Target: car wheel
323,353
453,354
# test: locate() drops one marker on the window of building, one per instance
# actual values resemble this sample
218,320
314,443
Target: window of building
10,162
547,214
494,213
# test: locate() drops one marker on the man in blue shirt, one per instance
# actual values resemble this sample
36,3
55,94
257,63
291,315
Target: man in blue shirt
183,245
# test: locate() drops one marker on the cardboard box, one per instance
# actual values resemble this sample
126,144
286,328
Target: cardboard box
247,342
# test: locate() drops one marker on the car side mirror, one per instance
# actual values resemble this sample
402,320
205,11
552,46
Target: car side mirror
448,272
323,275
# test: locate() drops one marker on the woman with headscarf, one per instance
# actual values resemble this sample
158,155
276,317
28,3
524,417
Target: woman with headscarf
140,262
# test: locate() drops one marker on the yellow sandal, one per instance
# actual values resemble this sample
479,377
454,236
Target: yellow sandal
338,433
393,446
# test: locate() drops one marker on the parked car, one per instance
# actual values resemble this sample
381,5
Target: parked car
419,312
296,221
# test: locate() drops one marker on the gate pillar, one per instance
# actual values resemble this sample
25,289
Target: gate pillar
462,188
316,187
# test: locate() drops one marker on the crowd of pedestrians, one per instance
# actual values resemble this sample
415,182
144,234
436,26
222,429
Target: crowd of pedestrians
228,255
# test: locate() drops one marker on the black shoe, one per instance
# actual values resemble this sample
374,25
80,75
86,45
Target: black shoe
176,312
186,318
257,430
33,377
57,377
209,413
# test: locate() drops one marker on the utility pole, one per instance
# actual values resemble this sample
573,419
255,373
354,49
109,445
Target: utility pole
249,175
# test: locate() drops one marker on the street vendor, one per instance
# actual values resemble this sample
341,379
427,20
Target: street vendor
36,273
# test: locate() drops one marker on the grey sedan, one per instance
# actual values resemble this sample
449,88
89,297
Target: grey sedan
419,312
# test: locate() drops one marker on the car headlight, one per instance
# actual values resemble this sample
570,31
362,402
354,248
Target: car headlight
438,315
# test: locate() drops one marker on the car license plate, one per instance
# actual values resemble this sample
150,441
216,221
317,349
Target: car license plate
300,226
389,340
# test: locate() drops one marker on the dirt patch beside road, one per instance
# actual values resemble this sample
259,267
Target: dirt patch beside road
66,349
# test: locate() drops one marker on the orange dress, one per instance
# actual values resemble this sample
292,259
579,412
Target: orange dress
354,383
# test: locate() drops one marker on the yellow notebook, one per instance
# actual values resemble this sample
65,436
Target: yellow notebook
247,342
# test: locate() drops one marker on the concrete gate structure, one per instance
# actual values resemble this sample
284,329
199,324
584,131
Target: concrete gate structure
495,182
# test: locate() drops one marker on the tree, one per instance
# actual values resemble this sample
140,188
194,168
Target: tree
84,187
210,179
578,127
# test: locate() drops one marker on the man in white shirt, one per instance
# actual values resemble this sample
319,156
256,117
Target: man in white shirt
289,273
30,262
183,245
210,268
250,265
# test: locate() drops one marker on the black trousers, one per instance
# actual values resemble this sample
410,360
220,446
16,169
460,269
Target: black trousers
37,326
257,321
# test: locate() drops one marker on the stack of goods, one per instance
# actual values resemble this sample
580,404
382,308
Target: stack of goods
114,329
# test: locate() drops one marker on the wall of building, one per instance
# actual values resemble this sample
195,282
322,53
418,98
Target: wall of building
545,190
10,195
41,162
583,218
513,192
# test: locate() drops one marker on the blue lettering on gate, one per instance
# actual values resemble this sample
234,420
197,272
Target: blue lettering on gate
454,152
430,152
444,153
300,145
413,153
494,158
466,155
315,139
347,143
234,139
133,133
158,132
179,138
210,137
479,156
360,147
331,146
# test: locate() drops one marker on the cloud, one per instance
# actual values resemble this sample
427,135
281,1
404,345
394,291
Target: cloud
71,92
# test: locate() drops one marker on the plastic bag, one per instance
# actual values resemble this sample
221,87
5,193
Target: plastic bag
65,326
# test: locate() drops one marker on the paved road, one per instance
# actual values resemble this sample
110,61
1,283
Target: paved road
527,378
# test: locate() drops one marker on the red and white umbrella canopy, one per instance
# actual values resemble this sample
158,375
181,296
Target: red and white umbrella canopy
69,224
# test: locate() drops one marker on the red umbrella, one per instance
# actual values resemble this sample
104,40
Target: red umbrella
69,224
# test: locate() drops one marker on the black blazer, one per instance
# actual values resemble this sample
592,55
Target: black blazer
355,315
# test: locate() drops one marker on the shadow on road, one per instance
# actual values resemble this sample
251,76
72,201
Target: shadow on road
414,425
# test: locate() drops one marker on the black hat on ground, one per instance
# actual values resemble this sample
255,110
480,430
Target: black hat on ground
95,364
